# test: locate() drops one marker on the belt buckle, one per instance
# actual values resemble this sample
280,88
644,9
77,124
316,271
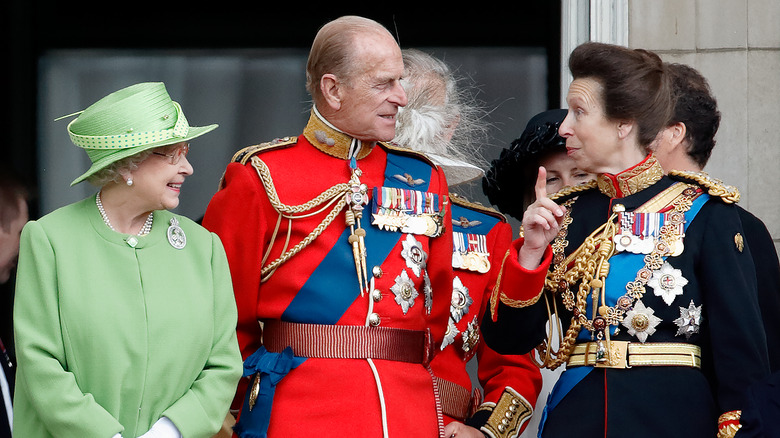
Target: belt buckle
617,355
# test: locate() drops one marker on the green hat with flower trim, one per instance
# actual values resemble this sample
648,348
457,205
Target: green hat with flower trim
129,121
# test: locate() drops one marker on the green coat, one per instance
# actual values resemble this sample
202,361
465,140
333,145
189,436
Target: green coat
109,338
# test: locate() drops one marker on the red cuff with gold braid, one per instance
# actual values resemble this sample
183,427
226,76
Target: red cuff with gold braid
728,424
515,285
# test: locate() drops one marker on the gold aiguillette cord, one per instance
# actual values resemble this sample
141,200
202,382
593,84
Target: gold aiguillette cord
357,198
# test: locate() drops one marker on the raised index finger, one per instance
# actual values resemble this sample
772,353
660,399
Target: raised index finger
540,188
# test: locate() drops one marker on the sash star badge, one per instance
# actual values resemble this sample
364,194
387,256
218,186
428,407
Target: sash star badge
449,335
689,321
460,301
404,291
427,293
470,336
641,321
667,283
414,255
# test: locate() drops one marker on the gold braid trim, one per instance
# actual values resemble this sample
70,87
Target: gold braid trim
590,262
463,202
632,180
587,261
245,154
497,287
728,424
715,187
520,303
334,195
508,415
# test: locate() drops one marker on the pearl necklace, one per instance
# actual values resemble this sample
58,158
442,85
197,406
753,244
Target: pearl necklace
145,229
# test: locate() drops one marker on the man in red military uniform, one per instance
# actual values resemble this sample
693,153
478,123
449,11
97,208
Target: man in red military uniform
511,383
340,250
441,121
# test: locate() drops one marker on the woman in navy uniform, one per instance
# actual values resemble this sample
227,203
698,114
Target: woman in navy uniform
649,275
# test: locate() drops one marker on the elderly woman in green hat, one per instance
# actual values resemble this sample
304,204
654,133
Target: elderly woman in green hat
124,314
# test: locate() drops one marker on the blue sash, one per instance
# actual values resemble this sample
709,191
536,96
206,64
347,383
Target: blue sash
310,304
623,269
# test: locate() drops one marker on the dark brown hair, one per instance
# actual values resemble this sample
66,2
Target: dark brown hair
635,84
697,109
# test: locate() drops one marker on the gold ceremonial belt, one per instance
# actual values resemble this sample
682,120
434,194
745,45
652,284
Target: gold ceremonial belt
624,354
349,342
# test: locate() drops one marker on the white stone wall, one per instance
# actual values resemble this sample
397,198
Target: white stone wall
735,44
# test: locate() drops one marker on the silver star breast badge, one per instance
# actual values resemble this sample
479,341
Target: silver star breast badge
414,255
667,283
461,300
689,321
449,335
404,291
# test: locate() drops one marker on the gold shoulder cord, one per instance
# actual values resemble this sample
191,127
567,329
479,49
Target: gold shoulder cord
715,187
589,266
334,196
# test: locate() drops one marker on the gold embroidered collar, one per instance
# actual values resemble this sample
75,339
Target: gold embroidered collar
328,139
631,180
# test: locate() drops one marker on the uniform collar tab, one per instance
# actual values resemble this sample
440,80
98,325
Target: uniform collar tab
330,140
632,180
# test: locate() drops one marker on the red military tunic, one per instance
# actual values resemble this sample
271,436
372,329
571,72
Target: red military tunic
511,383
318,284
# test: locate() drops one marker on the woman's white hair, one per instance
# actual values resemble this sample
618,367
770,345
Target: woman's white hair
113,172
441,118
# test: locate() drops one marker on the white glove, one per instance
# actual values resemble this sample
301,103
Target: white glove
163,428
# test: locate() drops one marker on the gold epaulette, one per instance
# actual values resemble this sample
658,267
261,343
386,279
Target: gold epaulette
476,206
243,155
508,416
568,192
406,151
715,187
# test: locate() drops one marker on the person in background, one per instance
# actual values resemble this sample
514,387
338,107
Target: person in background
686,144
512,177
644,269
515,170
13,215
124,315
441,121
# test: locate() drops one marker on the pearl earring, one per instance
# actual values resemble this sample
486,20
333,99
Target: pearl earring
130,181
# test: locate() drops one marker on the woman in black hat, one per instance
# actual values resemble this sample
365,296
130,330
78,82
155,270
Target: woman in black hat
517,166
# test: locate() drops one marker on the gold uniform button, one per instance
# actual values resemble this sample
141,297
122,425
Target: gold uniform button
374,320
376,295
377,271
